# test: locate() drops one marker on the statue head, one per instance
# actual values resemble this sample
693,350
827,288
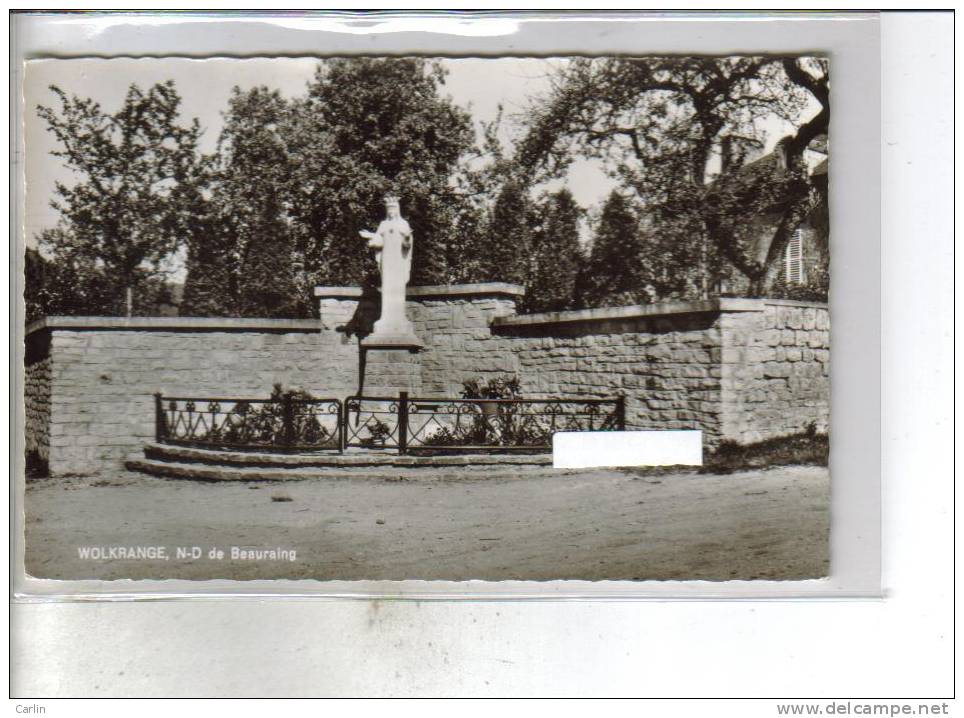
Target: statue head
392,207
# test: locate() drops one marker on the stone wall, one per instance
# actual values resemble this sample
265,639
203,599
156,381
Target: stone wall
103,373
456,330
739,369
776,370
664,365
663,361
690,365
37,408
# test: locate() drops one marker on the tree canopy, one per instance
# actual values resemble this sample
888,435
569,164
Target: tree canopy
368,127
613,273
508,235
244,263
555,257
296,179
139,179
276,209
679,132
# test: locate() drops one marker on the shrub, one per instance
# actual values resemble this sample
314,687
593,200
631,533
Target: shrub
492,424
500,387
264,423
807,447
378,432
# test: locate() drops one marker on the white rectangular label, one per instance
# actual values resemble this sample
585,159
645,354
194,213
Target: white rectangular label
585,449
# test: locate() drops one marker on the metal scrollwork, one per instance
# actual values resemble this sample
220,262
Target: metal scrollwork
284,424
297,424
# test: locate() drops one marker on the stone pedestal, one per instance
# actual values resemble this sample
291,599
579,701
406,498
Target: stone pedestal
400,340
389,371
393,330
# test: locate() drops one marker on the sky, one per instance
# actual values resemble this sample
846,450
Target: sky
479,85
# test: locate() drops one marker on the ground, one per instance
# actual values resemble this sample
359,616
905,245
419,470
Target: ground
535,524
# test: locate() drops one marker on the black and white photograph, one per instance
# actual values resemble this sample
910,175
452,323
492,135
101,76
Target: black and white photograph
386,318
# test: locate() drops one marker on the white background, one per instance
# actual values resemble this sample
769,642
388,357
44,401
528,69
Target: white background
900,646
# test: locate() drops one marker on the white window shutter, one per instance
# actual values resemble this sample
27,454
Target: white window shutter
794,258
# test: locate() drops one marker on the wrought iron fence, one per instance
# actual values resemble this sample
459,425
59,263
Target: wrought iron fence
283,424
402,423
373,422
421,425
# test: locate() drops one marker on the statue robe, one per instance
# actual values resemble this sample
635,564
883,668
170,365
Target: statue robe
393,241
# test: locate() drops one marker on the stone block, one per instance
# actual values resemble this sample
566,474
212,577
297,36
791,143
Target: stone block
773,337
776,370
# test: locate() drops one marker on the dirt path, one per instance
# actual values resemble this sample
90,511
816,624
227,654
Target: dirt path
601,524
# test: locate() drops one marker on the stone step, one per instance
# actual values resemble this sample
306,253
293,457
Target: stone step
207,472
351,458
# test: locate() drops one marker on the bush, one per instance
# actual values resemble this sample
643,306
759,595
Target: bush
492,424
264,423
500,387
378,432
809,447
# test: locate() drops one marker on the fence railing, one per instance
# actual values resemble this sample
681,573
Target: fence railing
423,425
401,423
373,422
285,424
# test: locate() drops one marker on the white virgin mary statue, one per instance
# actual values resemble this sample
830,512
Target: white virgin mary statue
392,242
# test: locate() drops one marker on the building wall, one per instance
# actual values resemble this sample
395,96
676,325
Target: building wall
815,255
738,369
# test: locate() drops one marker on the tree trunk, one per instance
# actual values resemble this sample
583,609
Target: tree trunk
757,284
704,267
700,170
129,300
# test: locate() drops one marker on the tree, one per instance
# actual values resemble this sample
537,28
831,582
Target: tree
486,178
34,276
295,180
468,254
508,246
244,263
210,287
613,273
555,257
368,127
67,285
678,131
64,286
139,181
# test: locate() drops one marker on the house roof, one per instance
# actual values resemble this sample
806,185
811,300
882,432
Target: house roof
773,161
753,175
760,170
